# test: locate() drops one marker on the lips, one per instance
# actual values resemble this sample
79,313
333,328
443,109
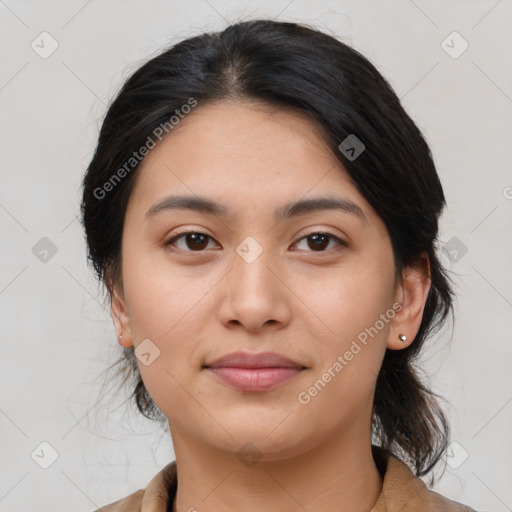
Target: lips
254,360
254,371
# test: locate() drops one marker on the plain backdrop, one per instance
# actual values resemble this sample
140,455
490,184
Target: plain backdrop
62,62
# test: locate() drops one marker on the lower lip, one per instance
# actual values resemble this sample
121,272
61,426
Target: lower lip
255,379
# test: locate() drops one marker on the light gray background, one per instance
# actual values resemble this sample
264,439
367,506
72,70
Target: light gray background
56,336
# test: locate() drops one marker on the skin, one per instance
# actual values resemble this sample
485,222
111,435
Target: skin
305,303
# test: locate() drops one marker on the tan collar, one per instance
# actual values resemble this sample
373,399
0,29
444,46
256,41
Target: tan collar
404,492
401,491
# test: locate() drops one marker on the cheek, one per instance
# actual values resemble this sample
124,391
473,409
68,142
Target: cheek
355,304
162,297
167,306
351,299
350,352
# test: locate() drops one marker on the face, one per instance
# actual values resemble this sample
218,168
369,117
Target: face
314,283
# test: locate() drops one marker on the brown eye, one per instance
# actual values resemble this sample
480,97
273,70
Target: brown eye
190,241
193,241
318,242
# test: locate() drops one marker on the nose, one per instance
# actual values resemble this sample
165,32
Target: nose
254,294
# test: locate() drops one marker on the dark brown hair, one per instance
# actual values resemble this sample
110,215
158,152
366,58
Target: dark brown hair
293,66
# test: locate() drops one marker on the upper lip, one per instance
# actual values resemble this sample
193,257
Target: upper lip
254,360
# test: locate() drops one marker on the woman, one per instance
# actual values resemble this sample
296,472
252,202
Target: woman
264,213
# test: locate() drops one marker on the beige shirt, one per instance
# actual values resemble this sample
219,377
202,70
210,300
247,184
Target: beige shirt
401,492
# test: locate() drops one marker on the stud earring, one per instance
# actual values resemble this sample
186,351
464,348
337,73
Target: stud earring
120,336
402,337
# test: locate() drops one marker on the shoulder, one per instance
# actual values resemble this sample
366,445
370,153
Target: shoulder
155,497
438,502
131,503
403,491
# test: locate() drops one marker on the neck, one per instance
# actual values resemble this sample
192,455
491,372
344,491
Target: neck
338,475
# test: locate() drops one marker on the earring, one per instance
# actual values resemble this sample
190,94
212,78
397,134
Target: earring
402,337
120,336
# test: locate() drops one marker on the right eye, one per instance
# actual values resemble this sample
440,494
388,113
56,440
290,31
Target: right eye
191,241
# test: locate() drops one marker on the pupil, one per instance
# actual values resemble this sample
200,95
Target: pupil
198,240
319,241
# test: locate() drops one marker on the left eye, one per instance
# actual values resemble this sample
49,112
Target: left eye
194,241
318,242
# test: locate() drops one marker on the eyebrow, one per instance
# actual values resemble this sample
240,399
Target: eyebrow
294,209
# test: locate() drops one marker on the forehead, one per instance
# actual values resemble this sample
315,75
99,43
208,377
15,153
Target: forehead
246,153
239,130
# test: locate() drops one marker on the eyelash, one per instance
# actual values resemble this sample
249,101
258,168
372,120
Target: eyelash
341,242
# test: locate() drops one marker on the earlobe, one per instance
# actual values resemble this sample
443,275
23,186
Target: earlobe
412,295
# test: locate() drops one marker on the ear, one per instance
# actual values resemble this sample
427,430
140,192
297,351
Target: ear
121,320
412,293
